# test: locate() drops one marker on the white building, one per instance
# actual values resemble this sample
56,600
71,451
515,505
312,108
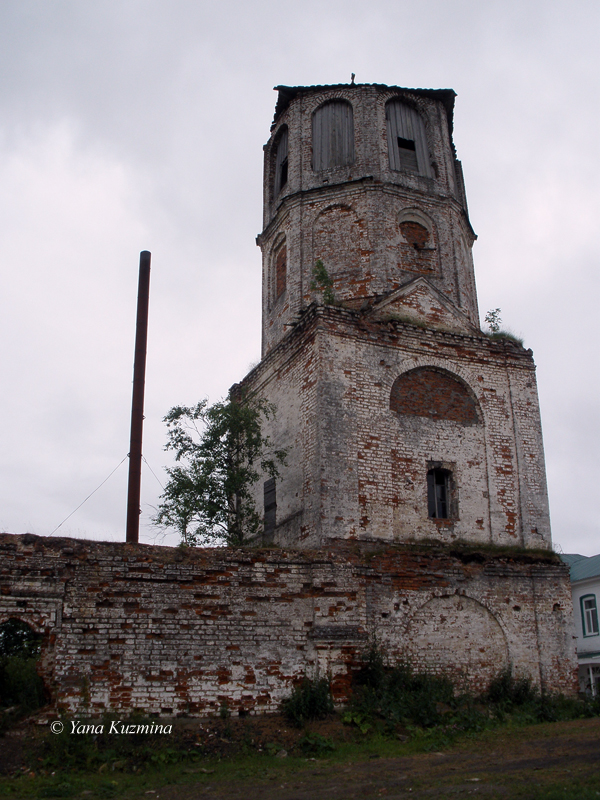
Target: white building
585,582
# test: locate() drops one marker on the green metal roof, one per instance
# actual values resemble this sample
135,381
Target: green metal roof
582,567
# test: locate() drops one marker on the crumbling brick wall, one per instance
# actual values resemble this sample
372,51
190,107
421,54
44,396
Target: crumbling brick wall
174,631
358,461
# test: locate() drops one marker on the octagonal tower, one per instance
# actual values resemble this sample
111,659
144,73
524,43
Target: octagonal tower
365,179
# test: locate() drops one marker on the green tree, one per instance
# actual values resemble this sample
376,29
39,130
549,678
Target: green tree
208,498
493,319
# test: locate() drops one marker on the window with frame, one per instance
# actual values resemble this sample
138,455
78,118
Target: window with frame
439,483
589,615
407,139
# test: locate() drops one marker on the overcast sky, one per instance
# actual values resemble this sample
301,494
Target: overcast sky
138,124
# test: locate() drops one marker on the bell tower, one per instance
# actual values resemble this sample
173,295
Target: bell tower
364,178
403,421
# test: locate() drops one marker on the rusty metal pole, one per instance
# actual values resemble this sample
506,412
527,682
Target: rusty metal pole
137,402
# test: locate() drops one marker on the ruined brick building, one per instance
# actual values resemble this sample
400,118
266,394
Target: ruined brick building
413,508
404,421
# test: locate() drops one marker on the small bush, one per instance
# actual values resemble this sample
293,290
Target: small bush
20,684
315,744
311,699
399,695
507,691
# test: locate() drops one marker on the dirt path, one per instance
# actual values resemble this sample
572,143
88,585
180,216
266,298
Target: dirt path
564,757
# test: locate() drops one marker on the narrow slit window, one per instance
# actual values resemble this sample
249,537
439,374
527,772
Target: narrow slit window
589,614
438,493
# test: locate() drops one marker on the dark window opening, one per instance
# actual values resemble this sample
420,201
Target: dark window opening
408,154
20,684
438,493
284,174
270,506
406,144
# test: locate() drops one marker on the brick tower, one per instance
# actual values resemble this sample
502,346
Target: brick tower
402,419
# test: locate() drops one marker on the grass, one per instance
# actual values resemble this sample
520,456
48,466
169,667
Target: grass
268,769
499,336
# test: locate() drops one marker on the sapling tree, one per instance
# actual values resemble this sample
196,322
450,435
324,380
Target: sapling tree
493,319
322,282
223,452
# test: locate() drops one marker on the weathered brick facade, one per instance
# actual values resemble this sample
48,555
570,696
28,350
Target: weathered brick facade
357,468
355,217
392,230
411,437
174,631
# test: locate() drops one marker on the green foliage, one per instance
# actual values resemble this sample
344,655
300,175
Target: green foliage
520,698
310,699
315,744
506,691
391,698
208,499
397,695
494,331
20,684
493,319
321,282
18,639
358,719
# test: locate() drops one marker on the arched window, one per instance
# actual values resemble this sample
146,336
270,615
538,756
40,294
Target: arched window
407,140
20,648
434,393
281,161
333,136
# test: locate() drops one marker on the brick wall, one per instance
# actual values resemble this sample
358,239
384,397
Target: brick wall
357,468
174,631
357,218
432,393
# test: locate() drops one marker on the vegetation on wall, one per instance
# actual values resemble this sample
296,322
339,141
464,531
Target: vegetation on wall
494,321
222,452
322,282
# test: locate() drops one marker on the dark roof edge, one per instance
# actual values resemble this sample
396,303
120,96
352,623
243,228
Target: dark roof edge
288,93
